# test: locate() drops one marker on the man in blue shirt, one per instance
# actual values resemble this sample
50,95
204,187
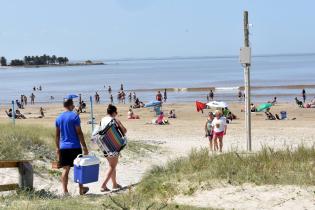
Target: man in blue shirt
69,142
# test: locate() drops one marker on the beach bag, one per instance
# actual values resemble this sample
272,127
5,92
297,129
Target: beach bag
110,139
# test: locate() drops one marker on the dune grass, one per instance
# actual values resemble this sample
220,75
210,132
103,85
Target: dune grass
25,142
38,142
199,169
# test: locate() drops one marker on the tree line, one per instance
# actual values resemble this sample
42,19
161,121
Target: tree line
35,60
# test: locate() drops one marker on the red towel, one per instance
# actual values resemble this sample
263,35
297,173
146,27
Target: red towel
200,106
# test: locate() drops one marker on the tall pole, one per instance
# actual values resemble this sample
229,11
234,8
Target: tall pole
247,85
92,117
13,113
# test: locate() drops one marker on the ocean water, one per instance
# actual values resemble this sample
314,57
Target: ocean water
223,73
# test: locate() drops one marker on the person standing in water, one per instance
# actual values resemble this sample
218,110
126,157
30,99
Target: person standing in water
165,95
121,87
32,98
109,89
69,143
211,95
304,95
159,96
111,158
111,99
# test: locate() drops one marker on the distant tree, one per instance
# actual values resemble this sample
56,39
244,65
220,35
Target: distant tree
60,60
53,59
16,62
3,61
66,60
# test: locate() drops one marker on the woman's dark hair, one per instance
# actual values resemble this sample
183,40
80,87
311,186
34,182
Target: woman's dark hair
67,103
111,109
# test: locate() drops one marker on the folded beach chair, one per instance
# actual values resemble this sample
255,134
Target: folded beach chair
110,140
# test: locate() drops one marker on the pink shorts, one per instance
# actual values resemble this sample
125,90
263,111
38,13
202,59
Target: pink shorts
218,134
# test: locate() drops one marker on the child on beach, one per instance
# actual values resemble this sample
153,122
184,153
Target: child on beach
209,129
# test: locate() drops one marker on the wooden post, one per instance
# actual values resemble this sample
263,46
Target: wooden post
26,175
247,86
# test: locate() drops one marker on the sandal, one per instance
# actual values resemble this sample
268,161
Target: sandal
105,189
118,187
84,190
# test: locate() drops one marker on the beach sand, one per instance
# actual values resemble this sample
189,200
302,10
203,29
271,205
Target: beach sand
187,132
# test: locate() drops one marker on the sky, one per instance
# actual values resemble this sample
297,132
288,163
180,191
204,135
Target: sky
113,29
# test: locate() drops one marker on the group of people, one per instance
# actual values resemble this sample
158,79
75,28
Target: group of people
70,143
39,88
215,129
18,115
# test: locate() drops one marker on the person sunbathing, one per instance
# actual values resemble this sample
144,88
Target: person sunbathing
19,115
269,115
299,103
160,120
9,113
253,108
132,115
172,114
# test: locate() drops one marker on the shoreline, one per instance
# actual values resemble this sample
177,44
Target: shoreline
203,89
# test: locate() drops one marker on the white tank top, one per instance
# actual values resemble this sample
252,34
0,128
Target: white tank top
105,120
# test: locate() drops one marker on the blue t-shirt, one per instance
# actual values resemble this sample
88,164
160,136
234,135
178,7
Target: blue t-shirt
67,123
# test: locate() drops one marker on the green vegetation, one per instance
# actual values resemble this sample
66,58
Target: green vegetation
26,142
199,170
3,61
39,60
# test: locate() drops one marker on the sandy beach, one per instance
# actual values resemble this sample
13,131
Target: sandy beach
181,136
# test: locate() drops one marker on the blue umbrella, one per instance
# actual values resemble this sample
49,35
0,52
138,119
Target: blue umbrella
153,103
71,96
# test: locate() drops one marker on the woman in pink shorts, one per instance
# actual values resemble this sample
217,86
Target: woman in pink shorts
219,129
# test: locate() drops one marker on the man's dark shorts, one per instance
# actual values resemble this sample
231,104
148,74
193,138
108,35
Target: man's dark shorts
67,156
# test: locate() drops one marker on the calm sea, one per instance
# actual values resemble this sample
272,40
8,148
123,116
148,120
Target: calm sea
224,73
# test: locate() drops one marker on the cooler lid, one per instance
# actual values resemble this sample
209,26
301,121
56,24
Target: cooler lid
86,160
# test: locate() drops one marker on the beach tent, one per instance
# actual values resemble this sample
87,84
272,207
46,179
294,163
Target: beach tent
264,106
217,104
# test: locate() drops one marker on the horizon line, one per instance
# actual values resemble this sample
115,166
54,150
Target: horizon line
197,57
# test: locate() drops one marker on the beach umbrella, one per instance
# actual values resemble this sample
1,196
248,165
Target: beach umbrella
153,104
217,104
264,106
71,96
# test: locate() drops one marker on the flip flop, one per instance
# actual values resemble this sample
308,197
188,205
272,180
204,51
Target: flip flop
118,187
84,190
105,189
